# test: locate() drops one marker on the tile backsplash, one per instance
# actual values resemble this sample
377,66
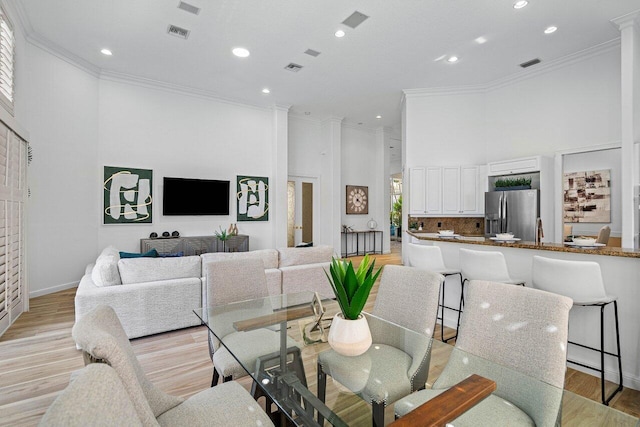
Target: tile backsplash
467,226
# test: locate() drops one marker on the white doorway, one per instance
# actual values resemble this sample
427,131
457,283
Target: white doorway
302,202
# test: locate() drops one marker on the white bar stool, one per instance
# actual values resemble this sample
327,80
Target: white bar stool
430,258
483,265
581,281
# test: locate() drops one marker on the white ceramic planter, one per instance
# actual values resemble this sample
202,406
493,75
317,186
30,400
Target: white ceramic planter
349,337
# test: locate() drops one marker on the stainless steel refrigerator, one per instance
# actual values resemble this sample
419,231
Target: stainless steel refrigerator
512,211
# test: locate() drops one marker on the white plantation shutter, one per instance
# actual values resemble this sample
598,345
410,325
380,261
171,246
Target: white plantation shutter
7,49
13,190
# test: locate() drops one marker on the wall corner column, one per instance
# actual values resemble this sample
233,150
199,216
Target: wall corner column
280,172
331,129
629,26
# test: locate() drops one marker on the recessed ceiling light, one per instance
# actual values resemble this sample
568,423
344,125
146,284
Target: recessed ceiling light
520,4
339,33
106,52
378,117
551,29
266,90
241,52
452,59
481,40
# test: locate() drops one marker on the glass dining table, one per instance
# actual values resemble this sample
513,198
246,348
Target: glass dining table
300,322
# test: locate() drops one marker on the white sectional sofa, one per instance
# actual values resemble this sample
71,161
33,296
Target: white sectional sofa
153,295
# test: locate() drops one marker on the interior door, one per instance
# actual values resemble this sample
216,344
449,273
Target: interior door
302,205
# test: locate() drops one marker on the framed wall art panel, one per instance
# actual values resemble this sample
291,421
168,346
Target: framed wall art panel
252,195
127,195
587,196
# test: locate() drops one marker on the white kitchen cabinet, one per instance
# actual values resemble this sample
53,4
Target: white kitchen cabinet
510,167
451,190
425,190
448,191
417,191
471,194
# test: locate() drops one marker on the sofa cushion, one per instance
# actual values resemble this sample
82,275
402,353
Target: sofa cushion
140,270
269,257
105,271
153,253
300,256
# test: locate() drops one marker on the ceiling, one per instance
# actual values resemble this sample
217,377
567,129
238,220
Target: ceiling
357,77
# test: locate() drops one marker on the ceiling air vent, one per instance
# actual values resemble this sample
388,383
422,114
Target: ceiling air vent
530,63
355,19
178,32
312,52
293,67
189,8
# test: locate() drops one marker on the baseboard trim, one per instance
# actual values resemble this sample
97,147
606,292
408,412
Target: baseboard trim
46,291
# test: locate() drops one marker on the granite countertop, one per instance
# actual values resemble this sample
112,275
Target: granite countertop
556,247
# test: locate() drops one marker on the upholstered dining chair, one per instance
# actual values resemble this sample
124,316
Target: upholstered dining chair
430,258
603,235
517,337
101,337
392,367
94,397
236,280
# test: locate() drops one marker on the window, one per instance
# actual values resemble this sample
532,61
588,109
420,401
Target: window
7,44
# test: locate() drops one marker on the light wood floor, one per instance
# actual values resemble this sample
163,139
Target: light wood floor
37,356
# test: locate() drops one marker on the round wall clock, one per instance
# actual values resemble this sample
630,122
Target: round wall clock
357,200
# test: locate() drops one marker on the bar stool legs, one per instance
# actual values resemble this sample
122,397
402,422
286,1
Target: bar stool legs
605,399
442,306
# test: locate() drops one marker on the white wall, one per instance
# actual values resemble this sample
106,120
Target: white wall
577,105
598,160
181,136
58,104
445,130
362,164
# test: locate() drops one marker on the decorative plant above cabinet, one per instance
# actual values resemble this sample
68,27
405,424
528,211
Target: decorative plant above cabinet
513,183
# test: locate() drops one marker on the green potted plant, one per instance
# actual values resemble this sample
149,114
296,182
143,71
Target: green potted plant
396,216
349,334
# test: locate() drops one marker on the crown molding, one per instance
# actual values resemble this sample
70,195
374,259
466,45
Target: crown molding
361,128
116,77
445,90
598,147
18,16
298,116
629,20
281,107
63,54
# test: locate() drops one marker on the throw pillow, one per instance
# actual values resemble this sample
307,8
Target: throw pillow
177,254
105,272
149,254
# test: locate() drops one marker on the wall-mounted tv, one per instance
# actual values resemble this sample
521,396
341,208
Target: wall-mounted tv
185,196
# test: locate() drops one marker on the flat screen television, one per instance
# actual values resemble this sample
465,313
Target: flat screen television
185,196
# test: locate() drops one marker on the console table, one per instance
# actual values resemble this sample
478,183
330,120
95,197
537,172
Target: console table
195,245
365,242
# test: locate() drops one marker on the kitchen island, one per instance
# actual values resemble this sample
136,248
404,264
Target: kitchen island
621,273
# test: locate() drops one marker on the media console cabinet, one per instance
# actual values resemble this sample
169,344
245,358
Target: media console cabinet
195,245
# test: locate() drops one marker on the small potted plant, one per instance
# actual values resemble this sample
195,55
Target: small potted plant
223,236
349,334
